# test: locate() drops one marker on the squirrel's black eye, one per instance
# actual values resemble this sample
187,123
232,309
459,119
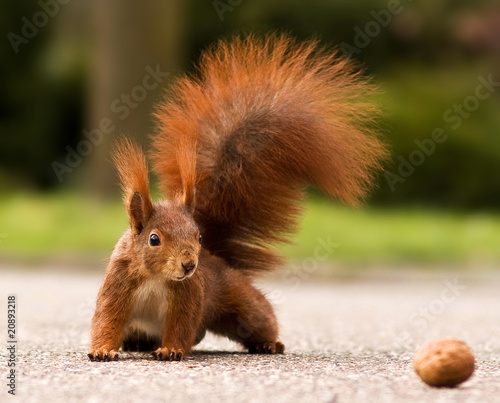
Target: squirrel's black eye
154,240
200,238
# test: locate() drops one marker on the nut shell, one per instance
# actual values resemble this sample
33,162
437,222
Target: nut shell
444,362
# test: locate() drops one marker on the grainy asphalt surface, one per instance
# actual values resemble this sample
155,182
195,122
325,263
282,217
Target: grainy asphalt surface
347,339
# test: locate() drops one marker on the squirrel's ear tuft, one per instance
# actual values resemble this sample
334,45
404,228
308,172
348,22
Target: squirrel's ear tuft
188,198
186,159
133,172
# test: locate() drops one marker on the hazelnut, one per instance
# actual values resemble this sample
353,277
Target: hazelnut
444,362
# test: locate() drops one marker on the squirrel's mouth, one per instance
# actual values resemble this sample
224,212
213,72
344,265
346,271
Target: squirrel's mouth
185,275
186,270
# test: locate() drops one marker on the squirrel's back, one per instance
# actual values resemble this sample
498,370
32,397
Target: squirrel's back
261,120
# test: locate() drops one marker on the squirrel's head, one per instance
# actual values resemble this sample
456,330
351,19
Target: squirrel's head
164,235
166,239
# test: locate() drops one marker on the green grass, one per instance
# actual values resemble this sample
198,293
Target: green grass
69,224
41,225
399,235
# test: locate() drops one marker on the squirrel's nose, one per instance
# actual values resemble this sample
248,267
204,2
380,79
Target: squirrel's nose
188,266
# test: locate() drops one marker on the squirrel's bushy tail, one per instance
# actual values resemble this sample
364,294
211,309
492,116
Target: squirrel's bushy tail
261,120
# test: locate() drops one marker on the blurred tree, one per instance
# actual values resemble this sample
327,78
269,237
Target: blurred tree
136,46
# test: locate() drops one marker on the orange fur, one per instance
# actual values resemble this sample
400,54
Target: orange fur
262,119
235,148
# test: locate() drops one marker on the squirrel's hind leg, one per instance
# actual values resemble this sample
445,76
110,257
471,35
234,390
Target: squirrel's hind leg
250,320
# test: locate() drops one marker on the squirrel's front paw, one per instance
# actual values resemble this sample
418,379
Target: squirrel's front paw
102,354
267,348
168,354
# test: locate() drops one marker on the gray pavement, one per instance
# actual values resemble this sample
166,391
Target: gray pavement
348,339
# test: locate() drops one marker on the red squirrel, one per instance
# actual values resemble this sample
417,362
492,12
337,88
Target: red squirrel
236,145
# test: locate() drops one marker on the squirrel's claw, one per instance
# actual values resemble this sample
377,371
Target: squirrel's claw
102,354
267,348
168,354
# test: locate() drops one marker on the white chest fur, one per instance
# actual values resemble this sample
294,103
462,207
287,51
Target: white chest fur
149,311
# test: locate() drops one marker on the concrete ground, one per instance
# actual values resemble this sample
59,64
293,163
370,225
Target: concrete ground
347,340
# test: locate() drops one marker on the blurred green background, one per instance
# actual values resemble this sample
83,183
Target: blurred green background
77,69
